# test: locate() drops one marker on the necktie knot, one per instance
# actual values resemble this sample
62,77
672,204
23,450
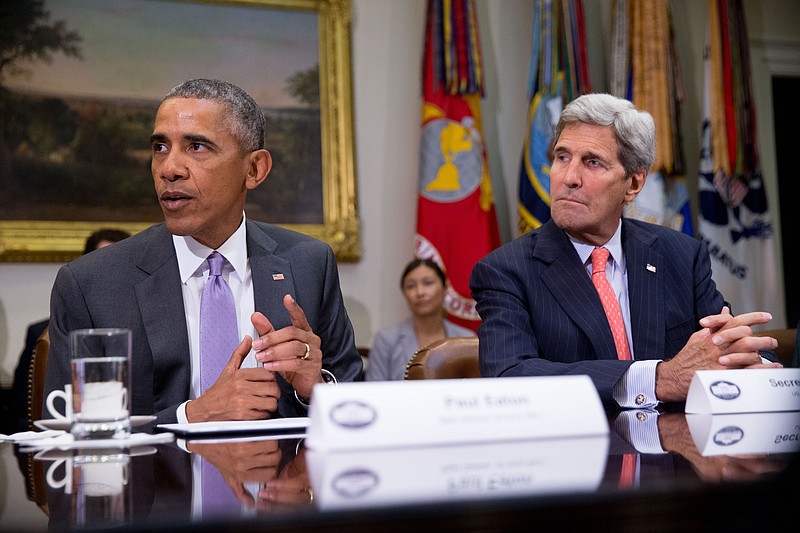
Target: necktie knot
599,259
215,261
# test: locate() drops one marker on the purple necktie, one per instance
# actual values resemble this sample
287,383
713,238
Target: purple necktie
219,332
218,498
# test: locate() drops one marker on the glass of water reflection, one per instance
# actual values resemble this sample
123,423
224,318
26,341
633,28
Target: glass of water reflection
101,383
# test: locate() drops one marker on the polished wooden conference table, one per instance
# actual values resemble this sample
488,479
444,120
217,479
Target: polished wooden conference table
571,484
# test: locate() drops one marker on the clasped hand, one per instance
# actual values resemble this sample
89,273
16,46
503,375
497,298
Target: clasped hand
725,342
293,351
252,393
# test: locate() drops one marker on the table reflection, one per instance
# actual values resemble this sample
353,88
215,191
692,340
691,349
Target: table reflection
95,484
645,448
745,433
268,479
753,443
390,476
264,475
156,483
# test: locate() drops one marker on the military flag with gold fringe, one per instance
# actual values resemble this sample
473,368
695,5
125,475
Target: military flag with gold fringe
456,220
734,220
646,71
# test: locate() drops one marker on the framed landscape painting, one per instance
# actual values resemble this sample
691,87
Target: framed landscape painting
76,114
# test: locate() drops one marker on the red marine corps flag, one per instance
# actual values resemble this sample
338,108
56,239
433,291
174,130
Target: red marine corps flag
456,221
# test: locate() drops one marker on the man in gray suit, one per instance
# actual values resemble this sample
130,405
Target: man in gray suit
542,314
207,152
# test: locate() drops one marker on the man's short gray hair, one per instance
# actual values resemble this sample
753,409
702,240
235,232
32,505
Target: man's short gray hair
244,119
633,129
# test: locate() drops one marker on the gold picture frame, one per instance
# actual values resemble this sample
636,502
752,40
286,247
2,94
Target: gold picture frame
62,240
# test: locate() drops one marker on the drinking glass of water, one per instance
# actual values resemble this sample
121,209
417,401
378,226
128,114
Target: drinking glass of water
101,383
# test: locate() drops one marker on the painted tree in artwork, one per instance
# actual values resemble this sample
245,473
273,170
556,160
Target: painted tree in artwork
26,35
304,86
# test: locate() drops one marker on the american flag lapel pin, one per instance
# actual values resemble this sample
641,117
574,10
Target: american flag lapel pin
277,277
651,268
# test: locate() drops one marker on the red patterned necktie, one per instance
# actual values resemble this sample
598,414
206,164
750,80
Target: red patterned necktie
610,302
219,330
627,475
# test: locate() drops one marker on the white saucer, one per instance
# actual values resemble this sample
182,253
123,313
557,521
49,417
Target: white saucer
65,441
53,454
54,423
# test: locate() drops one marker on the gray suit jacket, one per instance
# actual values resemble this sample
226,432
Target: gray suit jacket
135,284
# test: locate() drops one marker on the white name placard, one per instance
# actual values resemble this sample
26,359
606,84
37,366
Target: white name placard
451,411
390,476
744,391
747,433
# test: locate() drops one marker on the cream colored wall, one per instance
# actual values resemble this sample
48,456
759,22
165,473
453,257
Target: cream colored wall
387,47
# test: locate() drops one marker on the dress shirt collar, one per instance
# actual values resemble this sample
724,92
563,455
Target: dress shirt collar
192,255
614,246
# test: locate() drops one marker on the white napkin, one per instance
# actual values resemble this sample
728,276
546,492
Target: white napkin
26,436
66,441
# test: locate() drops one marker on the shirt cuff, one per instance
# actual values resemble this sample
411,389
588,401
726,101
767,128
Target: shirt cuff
181,413
640,428
636,389
327,378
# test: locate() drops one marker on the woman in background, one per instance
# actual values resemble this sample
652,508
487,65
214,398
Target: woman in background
423,284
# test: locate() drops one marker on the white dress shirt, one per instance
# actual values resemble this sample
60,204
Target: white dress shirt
637,388
194,272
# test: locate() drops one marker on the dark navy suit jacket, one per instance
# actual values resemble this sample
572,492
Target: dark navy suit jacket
542,315
136,284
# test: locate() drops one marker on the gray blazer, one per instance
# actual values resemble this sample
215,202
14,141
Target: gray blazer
136,284
394,346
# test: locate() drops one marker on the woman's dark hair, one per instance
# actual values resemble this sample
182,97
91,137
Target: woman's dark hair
106,234
423,262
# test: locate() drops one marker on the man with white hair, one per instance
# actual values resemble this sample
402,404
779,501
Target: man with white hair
648,318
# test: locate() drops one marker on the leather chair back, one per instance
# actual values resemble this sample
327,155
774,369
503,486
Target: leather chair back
455,357
36,378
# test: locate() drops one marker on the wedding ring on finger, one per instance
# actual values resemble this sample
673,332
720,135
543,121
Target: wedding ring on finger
304,357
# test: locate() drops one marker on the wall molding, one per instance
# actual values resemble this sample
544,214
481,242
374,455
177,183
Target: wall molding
782,56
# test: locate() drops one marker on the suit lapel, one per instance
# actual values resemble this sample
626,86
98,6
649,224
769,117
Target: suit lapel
160,300
645,266
571,287
272,276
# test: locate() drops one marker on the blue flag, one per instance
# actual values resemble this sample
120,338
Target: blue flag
558,73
